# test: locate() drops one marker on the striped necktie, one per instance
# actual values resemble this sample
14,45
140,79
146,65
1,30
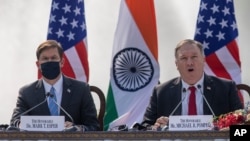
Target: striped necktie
52,103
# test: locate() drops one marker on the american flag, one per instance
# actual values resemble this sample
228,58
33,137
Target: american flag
216,29
67,26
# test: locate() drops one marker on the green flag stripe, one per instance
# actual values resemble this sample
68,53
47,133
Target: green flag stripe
111,111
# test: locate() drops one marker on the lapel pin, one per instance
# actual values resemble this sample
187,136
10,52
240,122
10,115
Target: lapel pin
208,88
68,90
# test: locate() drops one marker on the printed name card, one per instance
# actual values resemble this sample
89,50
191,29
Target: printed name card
190,123
42,123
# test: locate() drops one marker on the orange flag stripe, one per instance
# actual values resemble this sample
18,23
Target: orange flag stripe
142,16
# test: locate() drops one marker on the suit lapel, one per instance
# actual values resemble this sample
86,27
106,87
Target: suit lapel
40,96
208,91
66,94
177,91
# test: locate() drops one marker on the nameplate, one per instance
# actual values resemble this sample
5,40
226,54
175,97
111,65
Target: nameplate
42,123
190,123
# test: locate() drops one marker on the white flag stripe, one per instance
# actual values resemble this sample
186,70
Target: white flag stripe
141,95
75,63
136,113
208,70
120,121
85,41
229,63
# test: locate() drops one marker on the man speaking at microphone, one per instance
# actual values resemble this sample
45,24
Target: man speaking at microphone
62,96
193,93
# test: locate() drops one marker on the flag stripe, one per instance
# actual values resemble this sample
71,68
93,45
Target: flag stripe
83,55
82,50
226,65
140,18
229,63
67,69
234,50
110,106
75,62
212,60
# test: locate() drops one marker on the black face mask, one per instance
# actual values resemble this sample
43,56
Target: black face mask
50,70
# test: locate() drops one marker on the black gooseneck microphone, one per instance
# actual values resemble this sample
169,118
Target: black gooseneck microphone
14,127
199,87
164,128
138,127
184,91
73,127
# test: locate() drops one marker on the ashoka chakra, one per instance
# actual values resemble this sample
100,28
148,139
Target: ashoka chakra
132,69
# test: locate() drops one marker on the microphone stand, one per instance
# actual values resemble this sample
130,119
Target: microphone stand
184,91
210,108
199,87
15,128
68,129
164,128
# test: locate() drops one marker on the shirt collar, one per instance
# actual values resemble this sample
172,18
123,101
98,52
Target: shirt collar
200,82
57,86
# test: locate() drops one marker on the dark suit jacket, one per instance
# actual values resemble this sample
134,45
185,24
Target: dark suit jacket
76,100
220,93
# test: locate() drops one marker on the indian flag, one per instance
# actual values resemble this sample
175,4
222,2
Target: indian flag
134,66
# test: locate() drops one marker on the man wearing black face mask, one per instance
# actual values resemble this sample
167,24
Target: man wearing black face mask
72,95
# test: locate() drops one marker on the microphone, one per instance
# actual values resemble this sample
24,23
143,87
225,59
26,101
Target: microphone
138,127
199,87
164,128
122,127
15,128
73,127
184,91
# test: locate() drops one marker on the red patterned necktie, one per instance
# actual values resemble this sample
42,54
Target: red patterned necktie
192,102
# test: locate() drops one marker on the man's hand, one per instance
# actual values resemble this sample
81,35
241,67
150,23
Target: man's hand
68,124
160,123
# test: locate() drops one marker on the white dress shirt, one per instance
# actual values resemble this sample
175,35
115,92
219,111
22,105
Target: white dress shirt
198,96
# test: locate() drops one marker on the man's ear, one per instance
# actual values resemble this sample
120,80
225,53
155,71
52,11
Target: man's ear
176,65
37,64
62,62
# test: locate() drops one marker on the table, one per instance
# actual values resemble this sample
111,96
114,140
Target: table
115,135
